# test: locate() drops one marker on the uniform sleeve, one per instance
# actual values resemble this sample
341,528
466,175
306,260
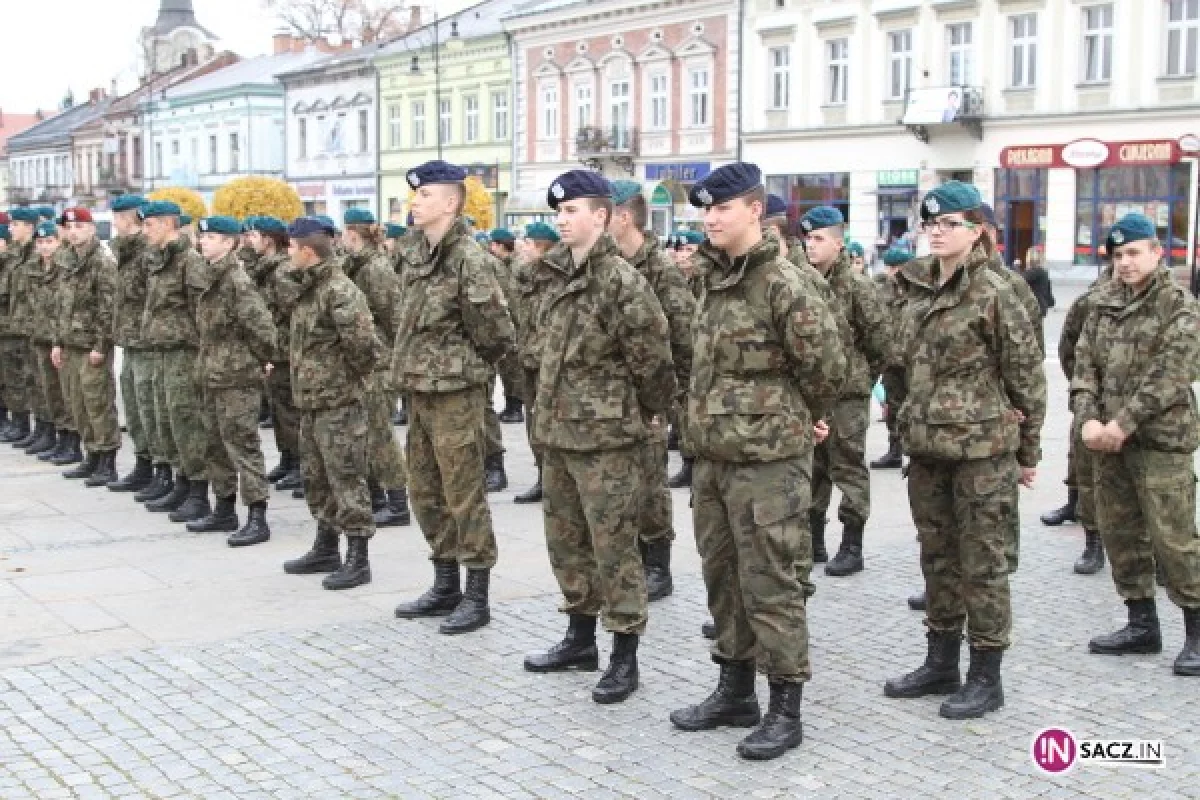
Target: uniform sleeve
1085,375
679,305
643,333
382,291
874,332
106,303
256,322
485,311
1168,376
1033,309
1071,331
1023,372
356,329
808,329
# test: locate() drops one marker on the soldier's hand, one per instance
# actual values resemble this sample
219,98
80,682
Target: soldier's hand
1114,436
56,357
820,431
1092,434
95,358
1028,476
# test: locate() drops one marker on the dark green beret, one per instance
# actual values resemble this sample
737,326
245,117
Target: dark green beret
47,212
128,202
185,219
690,237
541,232
226,225
855,249
821,217
5,234
482,237
394,231
266,224
896,256
358,216
29,215
45,230
625,190
503,235
1131,228
950,197
159,208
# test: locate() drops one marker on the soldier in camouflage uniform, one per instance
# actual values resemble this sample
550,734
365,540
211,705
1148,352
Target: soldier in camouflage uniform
502,244
452,326
5,255
891,295
509,372
83,346
14,350
642,252
334,351
372,273
41,280
1132,396
604,371
237,339
775,218
841,460
768,364
971,424
687,245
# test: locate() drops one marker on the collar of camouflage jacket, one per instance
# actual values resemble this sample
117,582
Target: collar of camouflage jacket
1117,295
429,258
316,274
649,246
840,270
268,264
126,248
726,272
77,257
356,261
950,293
559,257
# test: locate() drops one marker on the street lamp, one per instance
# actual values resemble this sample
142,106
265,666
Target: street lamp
415,69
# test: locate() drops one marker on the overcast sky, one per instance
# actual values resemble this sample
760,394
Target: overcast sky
49,46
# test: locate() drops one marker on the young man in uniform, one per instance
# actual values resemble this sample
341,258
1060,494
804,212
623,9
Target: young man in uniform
14,349
502,244
892,297
40,285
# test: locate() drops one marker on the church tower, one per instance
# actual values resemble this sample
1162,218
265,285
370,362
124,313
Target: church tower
176,39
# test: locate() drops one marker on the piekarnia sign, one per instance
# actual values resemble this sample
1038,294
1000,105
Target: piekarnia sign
1092,153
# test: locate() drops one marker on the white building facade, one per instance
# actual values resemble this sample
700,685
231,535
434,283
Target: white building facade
1065,113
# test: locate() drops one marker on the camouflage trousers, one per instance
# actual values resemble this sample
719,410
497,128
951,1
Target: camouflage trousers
590,506
894,390
841,460
1146,505
384,456
129,401
49,404
234,448
91,396
655,514
529,398
144,364
1081,477
15,374
493,438
751,532
963,512
446,491
283,408
178,416
333,452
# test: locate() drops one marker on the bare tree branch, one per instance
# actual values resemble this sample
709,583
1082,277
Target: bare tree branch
353,20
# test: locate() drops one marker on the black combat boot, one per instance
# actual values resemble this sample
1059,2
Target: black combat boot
173,499
31,434
917,601
673,438
86,468
1160,573
322,557
1188,661
683,478
394,513
441,598
1141,636
222,519
355,570
138,479
621,678
45,440
264,412
287,462
18,429
71,453
781,728
708,630
196,506
472,612
1092,559
159,487
256,530
893,458
61,441
938,675
378,496
294,479
1065,514
981,692
816,527
105,472
494,477
533,494
512,411
656,561
732,704
298,494
4,419
577,650
849,559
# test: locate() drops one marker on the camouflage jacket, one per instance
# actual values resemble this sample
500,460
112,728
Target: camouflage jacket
676,299
532,283
42,284
279,291
130,300
453,322
796,252
972,363
605,362
249,259
1028,299
333,343
12,272
89,287
870,330
1073,323
768,359
1136,361
376,279
237,334
168,322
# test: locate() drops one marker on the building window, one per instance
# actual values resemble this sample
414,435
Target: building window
549,111
583,105
838,56
194,164
235,152
174,148
619,113
698,97
418,122
658,101
1097,44
900,61
1183,33
958,51
301,142
394,123
780,59
158,160
363,133
1022,31
137,157
322,135
471,118
499,115
212,149
445,126
1162,193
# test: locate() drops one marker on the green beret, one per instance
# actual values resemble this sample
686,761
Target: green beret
623,191
128,202
1131,228
358,216
950,197
541,232
690,237
821,217
45,230
29,215
896,256
185,219
159,208
47,212
394,231
226,225
482,237
4,233
856,250
265,224
503,235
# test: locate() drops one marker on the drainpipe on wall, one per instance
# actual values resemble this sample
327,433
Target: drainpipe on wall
512,124
379,146
741,56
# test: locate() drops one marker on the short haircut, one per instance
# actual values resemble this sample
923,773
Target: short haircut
461,189
542,245
319,243
637,208
605,203
508,247
278,238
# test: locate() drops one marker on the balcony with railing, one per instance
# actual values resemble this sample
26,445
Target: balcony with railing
595,144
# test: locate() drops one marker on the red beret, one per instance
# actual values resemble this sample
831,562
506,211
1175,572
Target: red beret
76,215
4,220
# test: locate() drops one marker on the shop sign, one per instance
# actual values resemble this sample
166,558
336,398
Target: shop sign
688,173
1092,153
1085,153
357,189
1189,143
897,177
660,197
310,191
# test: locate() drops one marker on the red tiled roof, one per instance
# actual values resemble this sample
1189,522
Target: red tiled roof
12,124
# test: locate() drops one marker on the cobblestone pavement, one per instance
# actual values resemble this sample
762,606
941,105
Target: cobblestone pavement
140,661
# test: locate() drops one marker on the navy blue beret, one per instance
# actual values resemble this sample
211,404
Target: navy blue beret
330,226
358,216
308,226
226,225
24,215
435,172
576,184
821,217
128,202
725,183
776,207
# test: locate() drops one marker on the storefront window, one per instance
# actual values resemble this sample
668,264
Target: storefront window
805,192
1020,212
1105,195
